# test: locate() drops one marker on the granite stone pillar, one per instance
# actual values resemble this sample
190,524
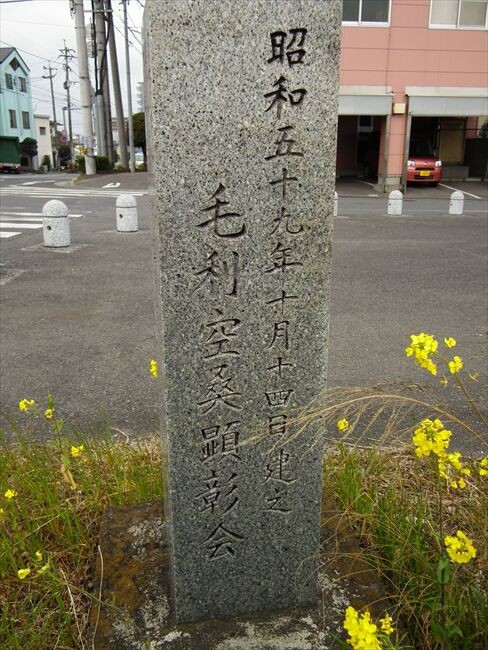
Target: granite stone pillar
242,137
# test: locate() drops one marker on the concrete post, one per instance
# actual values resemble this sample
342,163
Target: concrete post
126,213
55,224
395,202
336,204
456,204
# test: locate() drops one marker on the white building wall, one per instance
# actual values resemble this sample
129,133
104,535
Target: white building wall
44,147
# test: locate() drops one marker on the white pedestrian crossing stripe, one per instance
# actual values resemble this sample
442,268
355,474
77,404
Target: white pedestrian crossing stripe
17,223
56,192
7,234
23,226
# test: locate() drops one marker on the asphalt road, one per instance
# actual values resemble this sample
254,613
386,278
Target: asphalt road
81,323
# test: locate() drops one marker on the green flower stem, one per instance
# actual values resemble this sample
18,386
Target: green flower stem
467,395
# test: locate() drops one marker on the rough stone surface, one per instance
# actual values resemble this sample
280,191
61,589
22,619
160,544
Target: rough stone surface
55,225
456,203
242,128
136,614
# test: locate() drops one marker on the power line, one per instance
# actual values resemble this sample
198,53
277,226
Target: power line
25,51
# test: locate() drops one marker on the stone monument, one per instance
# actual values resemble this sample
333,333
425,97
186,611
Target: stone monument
242,125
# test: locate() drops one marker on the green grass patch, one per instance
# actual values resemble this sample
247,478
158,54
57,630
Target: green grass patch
391,500
55,511
389,497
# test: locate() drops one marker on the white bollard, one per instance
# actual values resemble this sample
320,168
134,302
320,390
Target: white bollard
456,204
126,211
395,201
55,225
336,204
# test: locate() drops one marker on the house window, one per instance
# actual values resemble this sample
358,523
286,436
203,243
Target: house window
12,118
22,84
25,120
464,14
9,82
361,12
42,130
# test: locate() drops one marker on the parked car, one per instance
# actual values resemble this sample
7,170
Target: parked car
424,166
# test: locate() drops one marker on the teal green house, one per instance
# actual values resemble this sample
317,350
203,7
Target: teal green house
16,115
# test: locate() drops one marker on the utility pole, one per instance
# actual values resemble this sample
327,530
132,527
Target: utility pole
51,77
68,54
129,91
116,87
85,95
103,93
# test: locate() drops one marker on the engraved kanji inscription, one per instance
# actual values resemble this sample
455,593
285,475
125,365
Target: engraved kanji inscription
221,441
234,226
282,96
276,500
277,469
221,541
284,181
219,336
284,145
281,300
277,424
220,391
280,334
290,44
278,397
282,259
279,366
216,491
220,270
283,223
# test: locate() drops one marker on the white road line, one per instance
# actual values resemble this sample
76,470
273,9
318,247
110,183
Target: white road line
8,217
6,235
26,226
31,214
365,182
458,190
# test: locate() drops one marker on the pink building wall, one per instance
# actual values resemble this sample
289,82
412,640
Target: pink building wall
409,53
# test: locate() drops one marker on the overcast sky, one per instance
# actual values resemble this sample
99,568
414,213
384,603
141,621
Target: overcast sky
37,28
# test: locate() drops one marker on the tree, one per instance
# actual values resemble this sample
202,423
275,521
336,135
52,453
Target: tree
139,129
28,148
64,153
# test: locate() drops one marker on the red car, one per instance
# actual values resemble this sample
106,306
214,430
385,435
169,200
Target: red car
424,169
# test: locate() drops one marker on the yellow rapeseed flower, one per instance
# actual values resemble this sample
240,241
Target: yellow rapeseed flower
451,468
153,368
430,436
43,569
449,342
455,365
421,347
26,404
484,466
343,425
39,556
386,625
2,513
77,451
48,414
10,494
23,573
362,631
459,548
